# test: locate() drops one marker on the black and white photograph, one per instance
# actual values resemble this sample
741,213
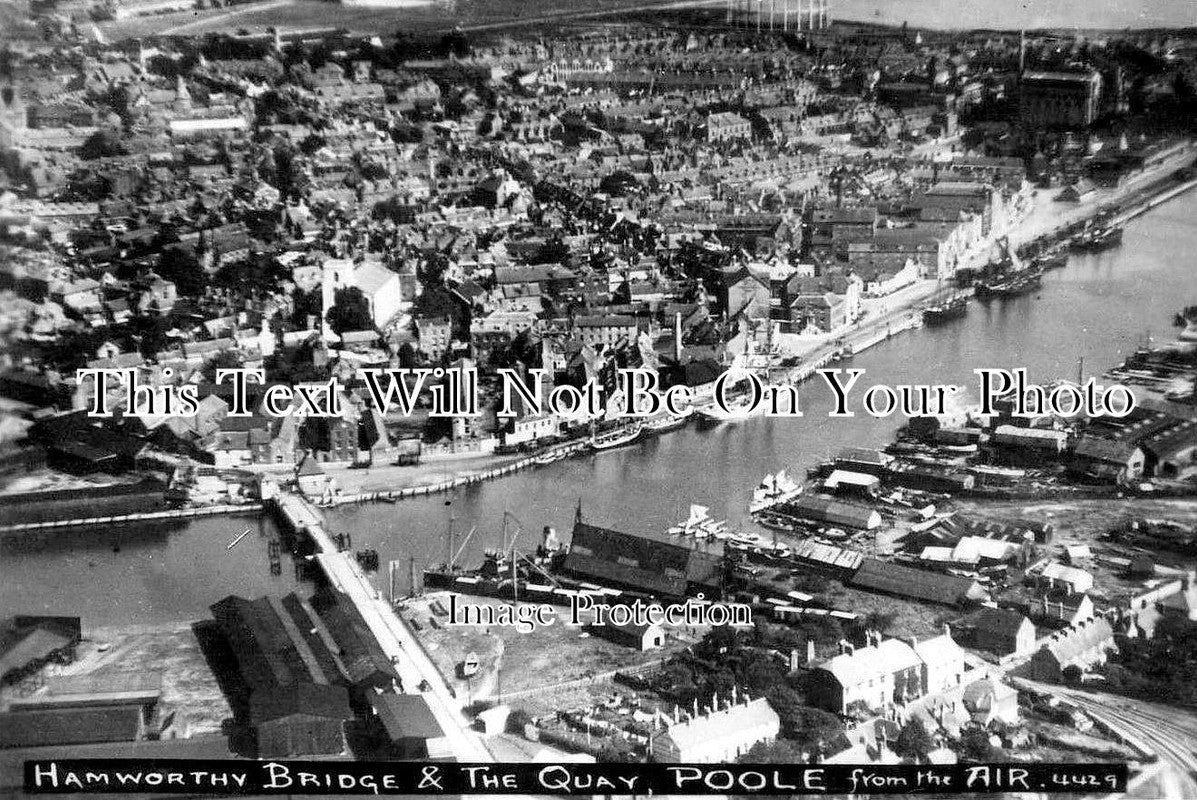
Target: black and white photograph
611,398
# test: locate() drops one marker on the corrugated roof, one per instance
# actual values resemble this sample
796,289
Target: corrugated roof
919,584
648,564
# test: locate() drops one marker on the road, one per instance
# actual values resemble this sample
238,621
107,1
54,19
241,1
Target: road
1167,732
392,634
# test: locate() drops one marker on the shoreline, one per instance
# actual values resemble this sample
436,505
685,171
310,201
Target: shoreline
1138,195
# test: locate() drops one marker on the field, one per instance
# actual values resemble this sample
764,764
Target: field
408,16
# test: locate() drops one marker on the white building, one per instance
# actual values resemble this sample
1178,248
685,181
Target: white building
717,736
381,288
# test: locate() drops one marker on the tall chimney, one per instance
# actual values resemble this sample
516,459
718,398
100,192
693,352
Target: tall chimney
810,652
677,337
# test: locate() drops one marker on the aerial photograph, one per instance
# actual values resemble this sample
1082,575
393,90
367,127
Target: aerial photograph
619,383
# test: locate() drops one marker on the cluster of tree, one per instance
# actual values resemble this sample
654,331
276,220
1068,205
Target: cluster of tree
746,660
350,311
1161,668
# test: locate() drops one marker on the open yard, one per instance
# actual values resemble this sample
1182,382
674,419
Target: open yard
552,661
192,703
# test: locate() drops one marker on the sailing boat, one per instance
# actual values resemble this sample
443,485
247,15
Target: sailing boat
773,489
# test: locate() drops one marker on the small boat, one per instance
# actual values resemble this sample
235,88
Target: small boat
469,667
548,458
617,438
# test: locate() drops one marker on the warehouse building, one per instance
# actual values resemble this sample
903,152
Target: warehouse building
834,512
296,702
661,569
916,584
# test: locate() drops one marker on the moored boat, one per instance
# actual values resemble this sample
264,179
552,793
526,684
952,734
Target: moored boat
1097,239
952,308
773,490
1052,259
668,422
738,409
777,522
617,438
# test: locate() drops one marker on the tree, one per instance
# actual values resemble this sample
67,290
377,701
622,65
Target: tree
102,144
183,269
975,745
814,730
350,311
914,743
517,720
779,751
305,304
223,360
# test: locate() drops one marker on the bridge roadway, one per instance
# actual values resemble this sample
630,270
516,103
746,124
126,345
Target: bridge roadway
414,666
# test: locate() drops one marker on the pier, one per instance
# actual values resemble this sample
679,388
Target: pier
569,449
178,513
416,670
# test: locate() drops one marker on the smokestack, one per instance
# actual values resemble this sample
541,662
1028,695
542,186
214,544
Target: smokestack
810,652
677,337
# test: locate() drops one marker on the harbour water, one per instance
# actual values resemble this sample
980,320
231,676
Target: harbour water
1099,308
1069,14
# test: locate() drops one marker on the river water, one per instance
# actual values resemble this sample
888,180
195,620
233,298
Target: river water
1099,308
